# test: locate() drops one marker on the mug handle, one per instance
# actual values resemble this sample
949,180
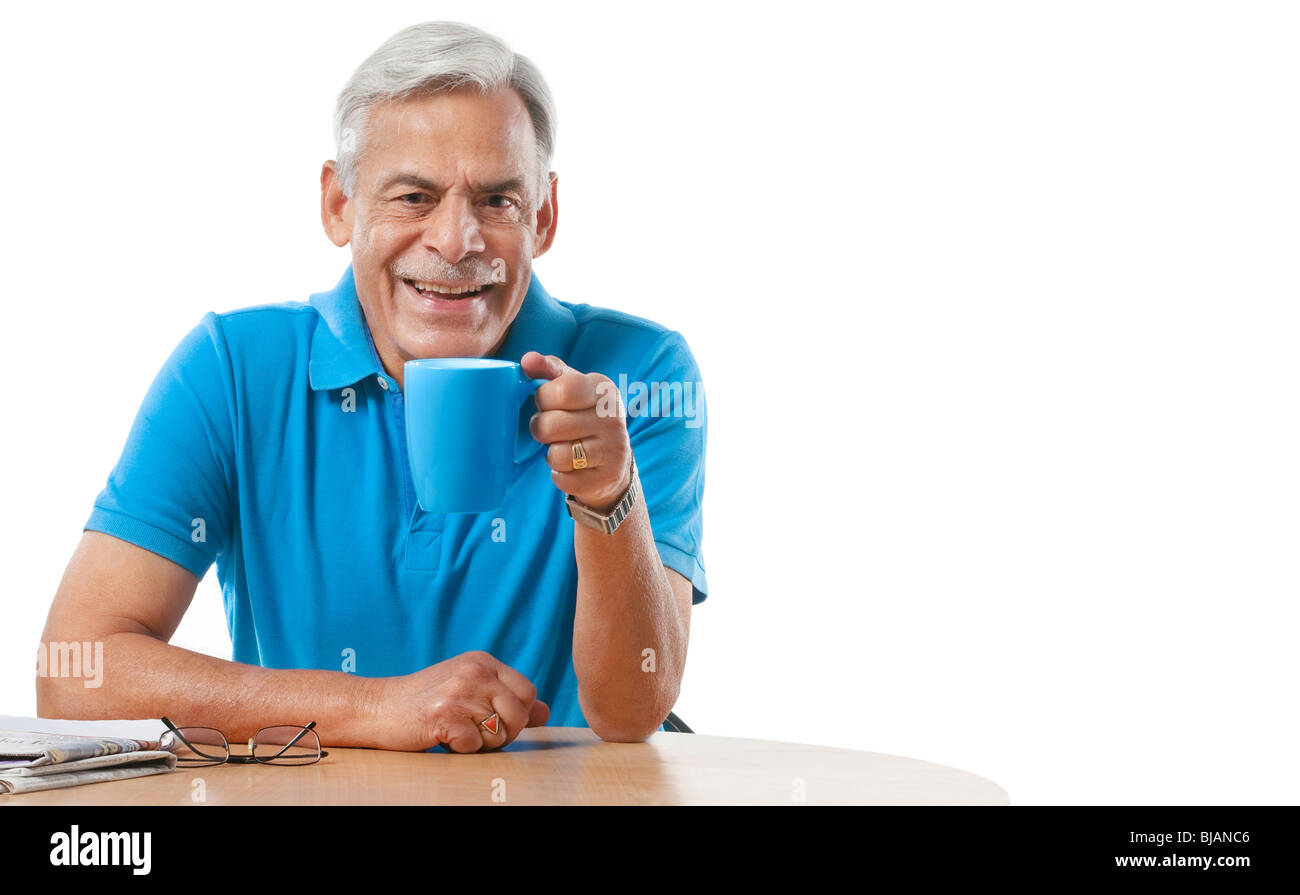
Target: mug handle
528,386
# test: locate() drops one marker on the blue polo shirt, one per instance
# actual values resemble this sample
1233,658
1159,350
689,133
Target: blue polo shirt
272,443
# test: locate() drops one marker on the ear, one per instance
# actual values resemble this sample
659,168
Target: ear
335,208
547,215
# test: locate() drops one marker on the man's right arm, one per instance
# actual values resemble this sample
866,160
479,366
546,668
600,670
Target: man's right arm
132,600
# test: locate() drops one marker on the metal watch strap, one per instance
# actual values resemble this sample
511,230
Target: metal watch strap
606,522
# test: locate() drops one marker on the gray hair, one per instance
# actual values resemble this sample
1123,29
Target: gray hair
434,57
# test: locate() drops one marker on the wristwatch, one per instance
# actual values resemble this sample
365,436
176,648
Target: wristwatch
606,522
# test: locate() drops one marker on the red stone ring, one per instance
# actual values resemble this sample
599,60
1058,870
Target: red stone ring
492,724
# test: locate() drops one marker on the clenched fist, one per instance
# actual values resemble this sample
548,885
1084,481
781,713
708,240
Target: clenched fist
443,705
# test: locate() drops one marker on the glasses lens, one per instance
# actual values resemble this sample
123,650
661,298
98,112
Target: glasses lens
286,745
196,745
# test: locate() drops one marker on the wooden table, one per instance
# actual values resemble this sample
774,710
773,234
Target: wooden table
565,766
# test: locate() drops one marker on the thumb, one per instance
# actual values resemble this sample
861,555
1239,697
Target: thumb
538,714
543,366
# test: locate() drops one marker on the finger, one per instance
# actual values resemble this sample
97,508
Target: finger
538,715
550,426
543,366
593,493
512,717
559,456
517,684
467,731
463,733
571,391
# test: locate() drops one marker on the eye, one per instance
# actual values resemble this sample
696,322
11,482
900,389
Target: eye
500,201
417,196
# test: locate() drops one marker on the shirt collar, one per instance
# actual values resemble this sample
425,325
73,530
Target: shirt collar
342,351
542,324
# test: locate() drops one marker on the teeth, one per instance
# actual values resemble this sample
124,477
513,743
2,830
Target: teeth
443,290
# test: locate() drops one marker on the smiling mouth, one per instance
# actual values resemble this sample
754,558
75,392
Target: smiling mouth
448,292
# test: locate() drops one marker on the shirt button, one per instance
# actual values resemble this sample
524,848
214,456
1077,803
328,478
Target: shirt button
383,383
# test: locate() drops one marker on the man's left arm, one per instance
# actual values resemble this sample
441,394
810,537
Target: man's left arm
632,621
630,630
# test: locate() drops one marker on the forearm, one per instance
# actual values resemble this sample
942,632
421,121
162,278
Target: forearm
144,677
626,606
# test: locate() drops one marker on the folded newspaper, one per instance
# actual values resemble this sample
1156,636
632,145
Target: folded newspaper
41,753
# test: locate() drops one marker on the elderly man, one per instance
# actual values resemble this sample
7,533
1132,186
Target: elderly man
272,443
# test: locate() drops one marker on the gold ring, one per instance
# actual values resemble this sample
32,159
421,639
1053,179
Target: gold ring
579,456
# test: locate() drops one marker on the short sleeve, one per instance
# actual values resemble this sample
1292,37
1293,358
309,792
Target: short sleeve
667,428
172,489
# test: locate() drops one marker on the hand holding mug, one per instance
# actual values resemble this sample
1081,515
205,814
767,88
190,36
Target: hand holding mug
584,409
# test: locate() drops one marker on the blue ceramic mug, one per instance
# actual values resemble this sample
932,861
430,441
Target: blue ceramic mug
462,415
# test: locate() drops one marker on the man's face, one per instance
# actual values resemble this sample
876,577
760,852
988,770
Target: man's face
443,222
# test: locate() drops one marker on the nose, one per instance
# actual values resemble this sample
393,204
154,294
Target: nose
453,230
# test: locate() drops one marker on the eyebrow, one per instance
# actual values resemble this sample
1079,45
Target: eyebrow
513,184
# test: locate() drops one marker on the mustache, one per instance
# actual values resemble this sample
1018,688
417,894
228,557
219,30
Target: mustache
435,270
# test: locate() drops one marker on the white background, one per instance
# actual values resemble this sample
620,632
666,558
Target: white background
995,304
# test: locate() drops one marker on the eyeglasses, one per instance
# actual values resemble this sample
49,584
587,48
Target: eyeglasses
283,745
